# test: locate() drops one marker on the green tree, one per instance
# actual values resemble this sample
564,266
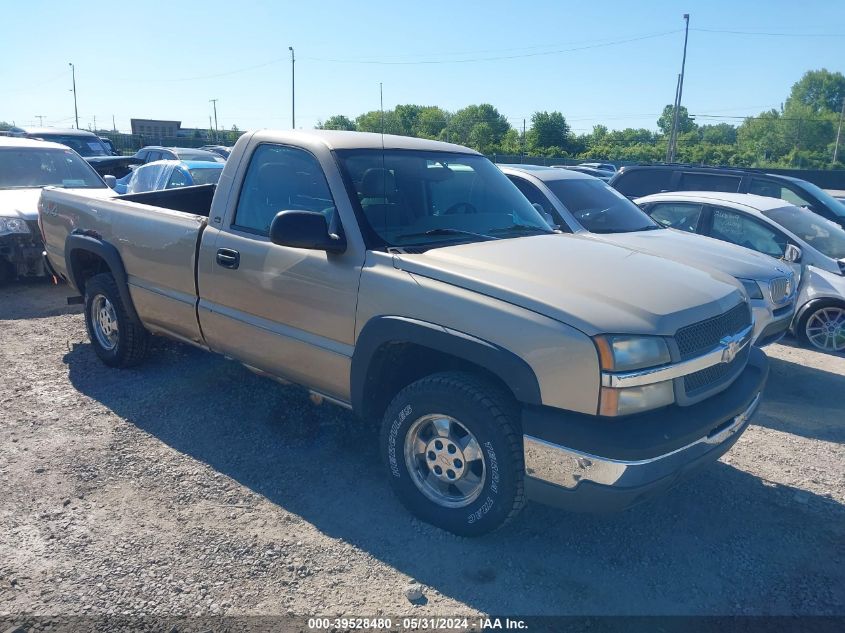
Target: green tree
431,121
548,129
718,134
820,90
481,127
376,121
5,126
337,122
685,122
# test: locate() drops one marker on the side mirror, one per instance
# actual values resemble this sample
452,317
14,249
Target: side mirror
543,213
305,229
111,181
792,254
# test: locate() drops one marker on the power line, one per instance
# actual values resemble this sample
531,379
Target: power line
765,33
490,59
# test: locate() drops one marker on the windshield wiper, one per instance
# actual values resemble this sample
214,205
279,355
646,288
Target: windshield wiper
521,227
444,231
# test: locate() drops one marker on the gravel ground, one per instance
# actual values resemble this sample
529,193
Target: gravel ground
190,486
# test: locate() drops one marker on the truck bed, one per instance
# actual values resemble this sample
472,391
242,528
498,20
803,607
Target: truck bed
156,234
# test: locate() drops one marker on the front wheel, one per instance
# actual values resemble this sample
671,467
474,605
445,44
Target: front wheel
823,327
454,452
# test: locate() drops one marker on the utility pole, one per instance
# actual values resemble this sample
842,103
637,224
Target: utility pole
292,89
210,129
839,131
40,118
216,133
95,122
381,105
522,160
75,111
113,126
676,118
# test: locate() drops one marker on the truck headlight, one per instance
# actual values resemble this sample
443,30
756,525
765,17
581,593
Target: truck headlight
624,353
12,225
752,288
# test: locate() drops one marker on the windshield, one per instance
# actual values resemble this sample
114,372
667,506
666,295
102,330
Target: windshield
82,145
599,208
23,168
825,236
829,201
206,176
425,198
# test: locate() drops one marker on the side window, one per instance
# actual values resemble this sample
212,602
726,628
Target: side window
683,216
642,182
144,178
178,179
738,228
535,196
772,189
692,181
278,179
152,156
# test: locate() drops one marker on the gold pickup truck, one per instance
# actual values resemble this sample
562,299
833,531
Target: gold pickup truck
410,281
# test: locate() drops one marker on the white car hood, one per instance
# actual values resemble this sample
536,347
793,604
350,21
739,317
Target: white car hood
700,251
594,286
23,203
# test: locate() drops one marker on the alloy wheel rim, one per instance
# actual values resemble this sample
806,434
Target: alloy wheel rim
104,322
826,329
445,460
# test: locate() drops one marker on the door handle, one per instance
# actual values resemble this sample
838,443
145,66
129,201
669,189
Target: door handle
228,258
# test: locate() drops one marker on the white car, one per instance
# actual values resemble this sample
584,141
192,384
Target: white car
581,204
773,227
26,167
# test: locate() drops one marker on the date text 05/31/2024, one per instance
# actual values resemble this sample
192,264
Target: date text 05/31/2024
418,624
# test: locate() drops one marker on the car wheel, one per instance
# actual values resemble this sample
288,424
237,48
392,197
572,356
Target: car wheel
118,340
823,326
453,450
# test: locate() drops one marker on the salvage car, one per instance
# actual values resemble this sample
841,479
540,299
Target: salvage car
581,204
169,174
411,281
87,144
27,166
152,153
770,226
635,181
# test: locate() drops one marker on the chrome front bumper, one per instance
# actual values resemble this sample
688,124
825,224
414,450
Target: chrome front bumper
569,468
621,463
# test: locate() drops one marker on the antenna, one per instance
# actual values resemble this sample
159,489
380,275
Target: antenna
383,161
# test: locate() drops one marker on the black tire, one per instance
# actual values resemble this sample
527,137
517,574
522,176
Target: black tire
132,339
801,327
489,414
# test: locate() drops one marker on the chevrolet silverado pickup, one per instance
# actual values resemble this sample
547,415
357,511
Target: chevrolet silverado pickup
410,281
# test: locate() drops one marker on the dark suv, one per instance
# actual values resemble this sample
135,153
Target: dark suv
635,181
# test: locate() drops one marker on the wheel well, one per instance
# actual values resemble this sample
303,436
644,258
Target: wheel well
394,366
814,304
85,265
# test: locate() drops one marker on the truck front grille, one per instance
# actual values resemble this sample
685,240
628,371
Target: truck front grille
781,289
703,336
700,381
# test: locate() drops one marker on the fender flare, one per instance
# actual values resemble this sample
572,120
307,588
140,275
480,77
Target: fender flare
810,305
381,330
76,242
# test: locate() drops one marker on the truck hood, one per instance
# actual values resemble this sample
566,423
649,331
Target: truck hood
23,203
699,251
594,286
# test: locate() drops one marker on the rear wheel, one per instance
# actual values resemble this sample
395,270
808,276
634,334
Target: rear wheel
823,327
454,452
117,339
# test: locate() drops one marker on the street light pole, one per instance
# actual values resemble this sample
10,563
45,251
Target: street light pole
676,119
40,118
75,111
292,89
839,131
216,133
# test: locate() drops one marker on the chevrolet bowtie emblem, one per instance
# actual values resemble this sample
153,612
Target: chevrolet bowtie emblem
731,348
